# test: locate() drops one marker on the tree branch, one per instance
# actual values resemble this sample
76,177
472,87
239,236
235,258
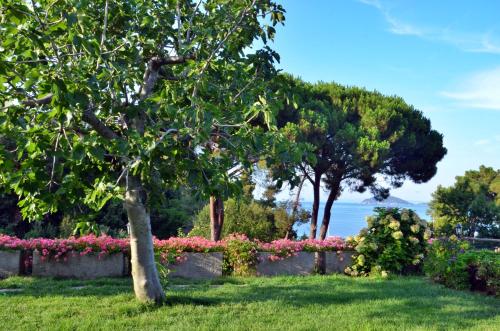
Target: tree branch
105,132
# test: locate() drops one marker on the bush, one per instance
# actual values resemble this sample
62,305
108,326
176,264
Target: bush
451,263
442,263
240,256
252,219
394,242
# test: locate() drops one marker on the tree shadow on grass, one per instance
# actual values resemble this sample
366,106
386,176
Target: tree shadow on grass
409,301
404,301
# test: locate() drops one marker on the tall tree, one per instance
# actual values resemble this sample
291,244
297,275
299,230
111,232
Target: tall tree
357,135
472,204
123,90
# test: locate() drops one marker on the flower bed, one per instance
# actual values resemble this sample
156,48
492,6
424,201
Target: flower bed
194,257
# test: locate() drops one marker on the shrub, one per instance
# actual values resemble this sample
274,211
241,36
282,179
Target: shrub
394,242
170,251
443,265
451,263
240,256
283,248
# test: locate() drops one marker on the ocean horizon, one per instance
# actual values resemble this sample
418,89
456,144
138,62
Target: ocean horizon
348,218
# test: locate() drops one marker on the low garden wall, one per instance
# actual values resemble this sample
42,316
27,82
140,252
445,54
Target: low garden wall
88,266
91,257
10,263
336,262
198,266
302,263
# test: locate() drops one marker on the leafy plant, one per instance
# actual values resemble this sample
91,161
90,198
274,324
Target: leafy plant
240,256
393,242
442,263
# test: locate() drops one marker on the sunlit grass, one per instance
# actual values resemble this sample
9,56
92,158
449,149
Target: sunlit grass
281,303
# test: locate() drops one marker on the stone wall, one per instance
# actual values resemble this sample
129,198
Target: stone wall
198,266
337,262
89,266
10,262
302,264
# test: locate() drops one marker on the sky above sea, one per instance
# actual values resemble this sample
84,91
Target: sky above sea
443,57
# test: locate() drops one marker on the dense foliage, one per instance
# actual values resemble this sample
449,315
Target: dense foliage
450,262
355,136
252,218
393,242
471,205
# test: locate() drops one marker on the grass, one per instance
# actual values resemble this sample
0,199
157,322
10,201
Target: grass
280,303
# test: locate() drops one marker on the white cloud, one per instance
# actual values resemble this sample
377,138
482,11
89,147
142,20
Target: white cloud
482,142
483,42
480,90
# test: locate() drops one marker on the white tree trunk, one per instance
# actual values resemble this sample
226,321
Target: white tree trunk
147,285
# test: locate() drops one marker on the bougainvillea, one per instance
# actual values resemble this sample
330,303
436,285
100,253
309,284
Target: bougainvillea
60,248
240,253
284,248
171,250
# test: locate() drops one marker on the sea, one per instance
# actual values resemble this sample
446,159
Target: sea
348,218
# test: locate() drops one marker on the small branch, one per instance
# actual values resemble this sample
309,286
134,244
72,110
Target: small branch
219,45
90,118
179,24
190,24
105,27
38,102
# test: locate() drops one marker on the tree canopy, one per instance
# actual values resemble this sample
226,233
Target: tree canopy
357,135
472,203
104,99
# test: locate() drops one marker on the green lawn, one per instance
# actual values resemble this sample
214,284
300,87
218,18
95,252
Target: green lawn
281,303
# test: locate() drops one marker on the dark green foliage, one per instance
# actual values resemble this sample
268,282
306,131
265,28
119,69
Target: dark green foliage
472,203
451,263
393,242
252,218
443,265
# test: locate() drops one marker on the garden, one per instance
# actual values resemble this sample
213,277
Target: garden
160,160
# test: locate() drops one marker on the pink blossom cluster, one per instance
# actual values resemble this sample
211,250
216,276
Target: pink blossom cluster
284,248
188,244
60,248
8,243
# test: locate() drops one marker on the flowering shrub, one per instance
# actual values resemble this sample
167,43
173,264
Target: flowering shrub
12,243
284,248
170,251
451,262
60,248
240,255
442,263
394,241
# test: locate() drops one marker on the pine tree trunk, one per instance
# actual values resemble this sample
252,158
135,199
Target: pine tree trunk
295,206
320,257
147,285
216,218
327,214
315,206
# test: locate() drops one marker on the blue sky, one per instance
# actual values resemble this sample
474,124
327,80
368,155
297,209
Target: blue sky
441,56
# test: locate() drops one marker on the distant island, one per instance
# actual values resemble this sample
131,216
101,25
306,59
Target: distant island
390,201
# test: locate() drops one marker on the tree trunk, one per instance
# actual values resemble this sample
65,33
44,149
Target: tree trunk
320,257
216,217
147,285
315,206
327,213
295,206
